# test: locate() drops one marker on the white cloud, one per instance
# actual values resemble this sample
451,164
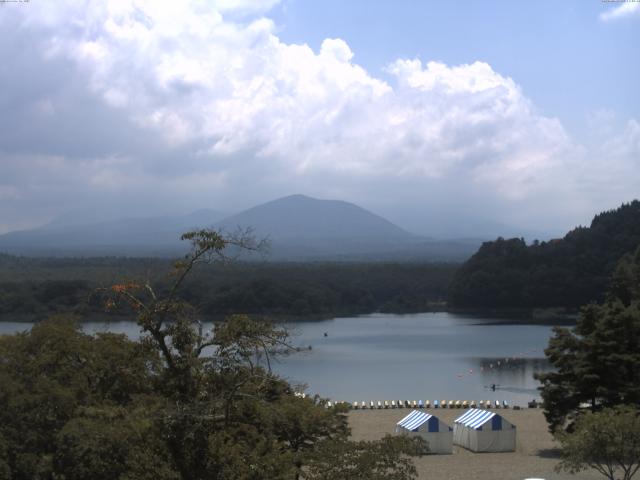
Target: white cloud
624,10
233,106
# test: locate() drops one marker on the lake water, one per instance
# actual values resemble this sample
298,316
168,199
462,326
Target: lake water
420,356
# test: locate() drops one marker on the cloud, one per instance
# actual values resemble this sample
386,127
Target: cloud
624,10
190,104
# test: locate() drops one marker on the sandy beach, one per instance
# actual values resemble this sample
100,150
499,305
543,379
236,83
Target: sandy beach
535,457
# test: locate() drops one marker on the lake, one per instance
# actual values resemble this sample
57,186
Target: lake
418,356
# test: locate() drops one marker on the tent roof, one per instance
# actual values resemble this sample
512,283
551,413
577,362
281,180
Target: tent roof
414,420
475,418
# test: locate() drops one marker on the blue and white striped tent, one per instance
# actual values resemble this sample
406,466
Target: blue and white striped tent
438,435
484,431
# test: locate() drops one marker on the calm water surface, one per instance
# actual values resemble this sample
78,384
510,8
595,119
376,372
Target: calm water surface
384,356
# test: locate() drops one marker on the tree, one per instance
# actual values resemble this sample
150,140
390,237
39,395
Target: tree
386,459
179,404
607,441
598,362
49,376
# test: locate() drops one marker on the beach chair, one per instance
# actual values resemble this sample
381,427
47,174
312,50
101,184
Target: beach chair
329,405
393,404
436,404
415,404
386,404
481,404
420,404
428,404
473,404
458,404
465,404
451,404
488,404
497,403
505,404
407,403
371,405
379,405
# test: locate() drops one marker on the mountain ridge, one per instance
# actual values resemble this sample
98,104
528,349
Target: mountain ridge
300,228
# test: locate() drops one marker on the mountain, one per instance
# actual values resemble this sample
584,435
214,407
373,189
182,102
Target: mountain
302,228
567,272
299,228
154,236
302,217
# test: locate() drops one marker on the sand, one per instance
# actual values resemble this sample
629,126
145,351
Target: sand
536,452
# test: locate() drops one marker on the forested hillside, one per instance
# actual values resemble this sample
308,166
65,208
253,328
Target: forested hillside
566,272
32,288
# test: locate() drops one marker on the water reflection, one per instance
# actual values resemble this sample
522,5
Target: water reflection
420,356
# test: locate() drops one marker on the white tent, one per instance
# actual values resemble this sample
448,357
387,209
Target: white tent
438,434
484,431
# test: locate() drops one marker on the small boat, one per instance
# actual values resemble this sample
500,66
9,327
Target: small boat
420,404
428,404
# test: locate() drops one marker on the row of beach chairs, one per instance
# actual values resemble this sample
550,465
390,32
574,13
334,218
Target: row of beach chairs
427,404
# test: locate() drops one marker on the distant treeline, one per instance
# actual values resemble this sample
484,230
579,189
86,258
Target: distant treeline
567,272
32,288
503,274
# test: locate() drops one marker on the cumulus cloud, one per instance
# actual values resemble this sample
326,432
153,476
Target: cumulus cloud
202,99
624,10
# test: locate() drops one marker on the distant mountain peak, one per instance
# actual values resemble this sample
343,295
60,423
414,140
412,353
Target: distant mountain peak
301,216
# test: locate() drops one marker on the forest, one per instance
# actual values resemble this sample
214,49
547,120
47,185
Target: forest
504,274
32,288
566,272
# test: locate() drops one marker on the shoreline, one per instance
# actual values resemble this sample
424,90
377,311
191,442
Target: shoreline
546,317
536,452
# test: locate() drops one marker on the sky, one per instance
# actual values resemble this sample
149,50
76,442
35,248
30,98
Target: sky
458,118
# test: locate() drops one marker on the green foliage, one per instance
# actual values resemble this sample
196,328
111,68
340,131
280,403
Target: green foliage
111,442
219,289
567,272
386,459
51,372
598,362
607,441
178,404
